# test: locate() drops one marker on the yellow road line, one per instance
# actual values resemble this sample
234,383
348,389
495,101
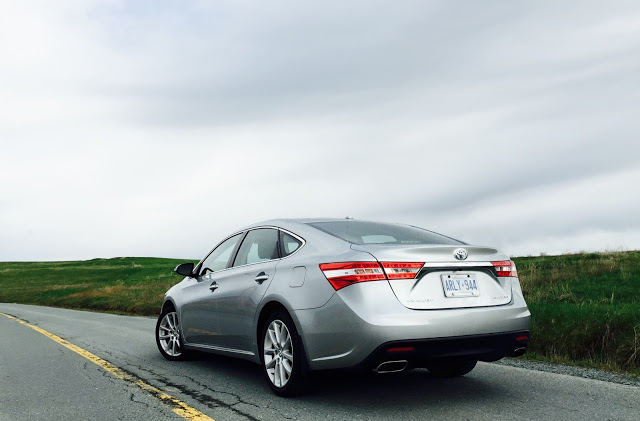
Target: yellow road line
179,407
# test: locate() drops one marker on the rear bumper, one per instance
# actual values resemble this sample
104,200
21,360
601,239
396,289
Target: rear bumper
361,322
422,352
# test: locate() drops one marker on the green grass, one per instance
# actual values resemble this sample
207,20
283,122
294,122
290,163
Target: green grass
585,307
128,285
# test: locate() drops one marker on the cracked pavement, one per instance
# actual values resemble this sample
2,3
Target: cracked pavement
39,379
42,380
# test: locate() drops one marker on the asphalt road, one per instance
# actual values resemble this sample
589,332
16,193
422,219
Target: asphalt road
41,379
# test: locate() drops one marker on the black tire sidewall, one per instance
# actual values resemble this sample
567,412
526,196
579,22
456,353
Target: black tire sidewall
296,381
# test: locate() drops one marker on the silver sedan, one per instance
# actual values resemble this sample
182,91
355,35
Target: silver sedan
313,294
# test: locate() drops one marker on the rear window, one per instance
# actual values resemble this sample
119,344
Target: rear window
363,232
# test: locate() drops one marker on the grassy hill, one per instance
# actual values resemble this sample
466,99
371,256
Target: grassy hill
128,285
585,307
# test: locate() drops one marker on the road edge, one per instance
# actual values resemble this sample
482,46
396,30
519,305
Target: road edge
569,370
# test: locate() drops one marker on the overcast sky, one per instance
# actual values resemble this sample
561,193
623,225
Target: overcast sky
154,128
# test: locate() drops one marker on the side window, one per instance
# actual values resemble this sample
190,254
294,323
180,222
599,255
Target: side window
258,246
219,257
289,244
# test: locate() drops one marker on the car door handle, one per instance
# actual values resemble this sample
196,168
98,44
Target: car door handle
213,286
261,277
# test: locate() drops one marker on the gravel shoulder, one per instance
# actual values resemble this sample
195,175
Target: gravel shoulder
568,370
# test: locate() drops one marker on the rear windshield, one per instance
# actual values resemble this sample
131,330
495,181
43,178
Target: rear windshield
363,232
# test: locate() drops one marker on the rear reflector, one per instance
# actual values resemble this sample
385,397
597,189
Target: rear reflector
505,268
401,349
522,338
344,274
401,270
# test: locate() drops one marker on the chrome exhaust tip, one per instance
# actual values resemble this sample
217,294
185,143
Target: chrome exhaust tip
391,366
519,351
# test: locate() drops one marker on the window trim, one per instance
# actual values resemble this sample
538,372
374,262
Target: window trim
244,233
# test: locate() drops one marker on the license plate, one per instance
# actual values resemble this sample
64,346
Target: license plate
460,285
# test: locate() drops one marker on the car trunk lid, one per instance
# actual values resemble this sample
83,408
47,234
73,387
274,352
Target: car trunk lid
444,281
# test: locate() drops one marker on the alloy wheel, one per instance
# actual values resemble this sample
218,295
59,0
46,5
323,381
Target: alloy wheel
169,334
278,353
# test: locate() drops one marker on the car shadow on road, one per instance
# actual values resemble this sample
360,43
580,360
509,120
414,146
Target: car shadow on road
356,389
397,389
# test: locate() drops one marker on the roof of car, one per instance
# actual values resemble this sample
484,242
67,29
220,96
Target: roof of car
305,220
291,223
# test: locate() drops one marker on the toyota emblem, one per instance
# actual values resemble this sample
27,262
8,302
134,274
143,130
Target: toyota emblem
460,254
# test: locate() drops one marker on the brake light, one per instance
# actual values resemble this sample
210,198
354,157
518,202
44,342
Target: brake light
505,268
401,270
344,274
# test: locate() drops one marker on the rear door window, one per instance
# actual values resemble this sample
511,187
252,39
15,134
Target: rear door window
258,246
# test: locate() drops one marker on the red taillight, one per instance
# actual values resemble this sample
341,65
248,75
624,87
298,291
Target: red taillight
401,270
344,274
505,268
401,349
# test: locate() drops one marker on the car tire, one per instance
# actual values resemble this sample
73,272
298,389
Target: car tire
282,355
446,369
168,335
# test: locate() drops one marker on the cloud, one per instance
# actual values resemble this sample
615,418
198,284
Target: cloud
139,128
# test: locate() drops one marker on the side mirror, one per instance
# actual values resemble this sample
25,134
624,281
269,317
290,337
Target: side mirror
185,269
